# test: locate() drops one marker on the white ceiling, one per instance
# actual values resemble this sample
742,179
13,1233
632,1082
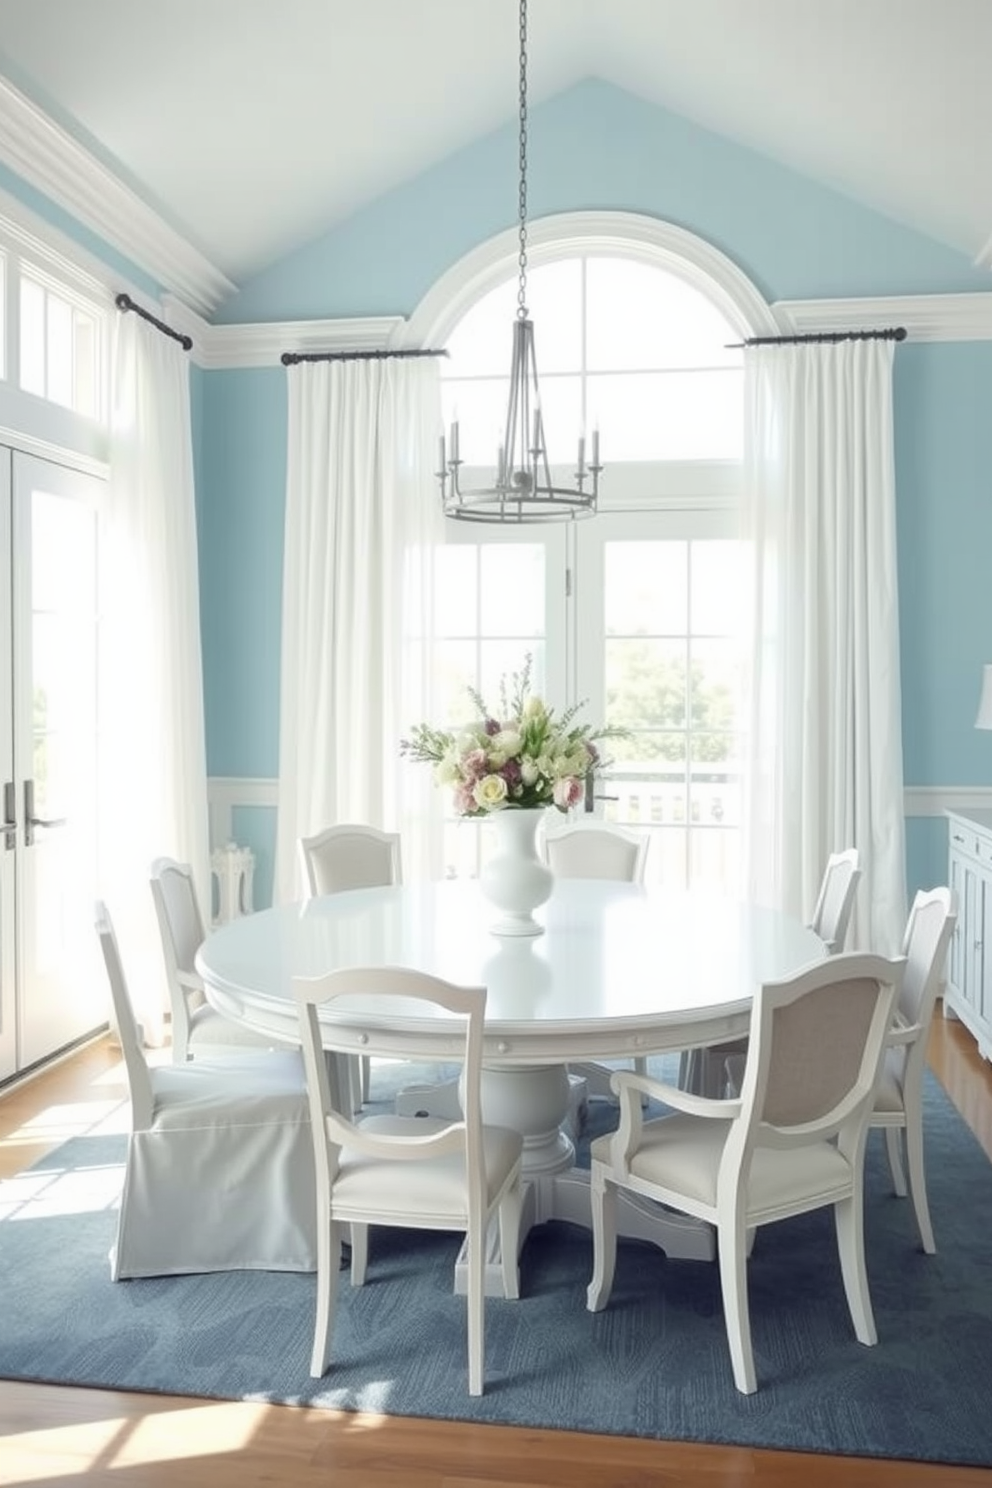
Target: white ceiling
253,126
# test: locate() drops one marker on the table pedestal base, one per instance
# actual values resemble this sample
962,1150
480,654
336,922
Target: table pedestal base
539,1101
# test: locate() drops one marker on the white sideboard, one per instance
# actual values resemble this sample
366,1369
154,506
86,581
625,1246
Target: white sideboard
968,989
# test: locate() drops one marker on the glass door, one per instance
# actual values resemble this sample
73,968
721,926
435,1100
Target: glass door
656,622
52,994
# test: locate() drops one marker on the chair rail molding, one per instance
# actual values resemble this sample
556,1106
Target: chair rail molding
225,792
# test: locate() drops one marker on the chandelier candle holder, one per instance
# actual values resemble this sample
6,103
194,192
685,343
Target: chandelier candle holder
523,489
511,765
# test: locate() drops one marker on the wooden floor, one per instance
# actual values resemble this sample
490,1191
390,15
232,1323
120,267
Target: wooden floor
64,1436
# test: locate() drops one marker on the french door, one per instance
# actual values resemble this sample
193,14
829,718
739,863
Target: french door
51,993
635,615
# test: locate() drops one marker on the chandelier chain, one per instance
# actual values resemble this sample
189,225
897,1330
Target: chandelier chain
522,258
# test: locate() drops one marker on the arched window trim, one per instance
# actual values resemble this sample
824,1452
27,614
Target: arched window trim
608,234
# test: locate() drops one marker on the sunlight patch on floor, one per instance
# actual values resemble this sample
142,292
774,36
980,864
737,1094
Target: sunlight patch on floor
115,1443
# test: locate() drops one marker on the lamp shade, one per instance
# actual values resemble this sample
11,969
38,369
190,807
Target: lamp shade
984,719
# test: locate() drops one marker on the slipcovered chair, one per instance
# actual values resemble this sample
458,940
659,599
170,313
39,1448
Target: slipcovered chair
704,1070
899,1100
351,856
406,1171
219,1173
793,1141
197,1028
598,852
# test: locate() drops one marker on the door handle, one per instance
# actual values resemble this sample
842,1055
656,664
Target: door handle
9,824
31,821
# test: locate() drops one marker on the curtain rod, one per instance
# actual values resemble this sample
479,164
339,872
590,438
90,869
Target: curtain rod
125,302
893,333
288,358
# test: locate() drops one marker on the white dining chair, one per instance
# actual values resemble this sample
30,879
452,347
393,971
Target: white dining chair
219,1173
405,1171
197,1027
793,1141
705,1070
605,852
351,855
898,1107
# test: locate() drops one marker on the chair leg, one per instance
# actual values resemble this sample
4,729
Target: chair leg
893,1148
509,1212
732,1250
328,1264
603,1199
849,1223
918,1182
476,1307
366,1078
359,1253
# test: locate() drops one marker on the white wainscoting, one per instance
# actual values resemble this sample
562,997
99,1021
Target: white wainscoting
225,792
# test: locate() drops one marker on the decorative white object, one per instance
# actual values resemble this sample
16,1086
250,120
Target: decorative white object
984,719
514,878
233,867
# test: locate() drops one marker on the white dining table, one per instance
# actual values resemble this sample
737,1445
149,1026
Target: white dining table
619,971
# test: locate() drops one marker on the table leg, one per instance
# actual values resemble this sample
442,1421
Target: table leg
535,1101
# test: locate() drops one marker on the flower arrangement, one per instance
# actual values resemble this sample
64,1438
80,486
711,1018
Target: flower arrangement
524,756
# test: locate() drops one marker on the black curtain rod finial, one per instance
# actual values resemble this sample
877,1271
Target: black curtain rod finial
124,302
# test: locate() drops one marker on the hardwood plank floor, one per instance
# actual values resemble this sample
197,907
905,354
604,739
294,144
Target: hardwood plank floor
65,1436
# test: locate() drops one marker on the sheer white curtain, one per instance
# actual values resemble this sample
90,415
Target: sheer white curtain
823,766
363,520
153,754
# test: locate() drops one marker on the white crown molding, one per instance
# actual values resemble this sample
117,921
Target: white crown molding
48,158
564,234
937,317
230,346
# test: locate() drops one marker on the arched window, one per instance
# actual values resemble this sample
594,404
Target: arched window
638,328
622,346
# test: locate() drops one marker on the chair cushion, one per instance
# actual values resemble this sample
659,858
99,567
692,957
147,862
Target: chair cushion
433,1188
239,1090
681,1154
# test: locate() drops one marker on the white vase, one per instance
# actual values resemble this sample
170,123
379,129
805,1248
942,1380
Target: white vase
514,878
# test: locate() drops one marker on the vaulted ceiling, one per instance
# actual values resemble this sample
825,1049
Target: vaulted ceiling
253,126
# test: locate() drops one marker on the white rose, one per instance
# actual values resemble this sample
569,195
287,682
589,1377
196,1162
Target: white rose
489,792
507,742
529,772
446,771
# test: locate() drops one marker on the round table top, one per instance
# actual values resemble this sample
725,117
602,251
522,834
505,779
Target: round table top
621,969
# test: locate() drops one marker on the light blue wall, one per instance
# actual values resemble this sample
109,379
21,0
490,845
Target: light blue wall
596,147
242,476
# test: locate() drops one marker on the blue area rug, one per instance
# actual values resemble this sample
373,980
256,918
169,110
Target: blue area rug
654,1364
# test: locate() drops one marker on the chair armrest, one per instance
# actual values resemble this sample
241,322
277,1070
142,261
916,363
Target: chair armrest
673,1095
903,1033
